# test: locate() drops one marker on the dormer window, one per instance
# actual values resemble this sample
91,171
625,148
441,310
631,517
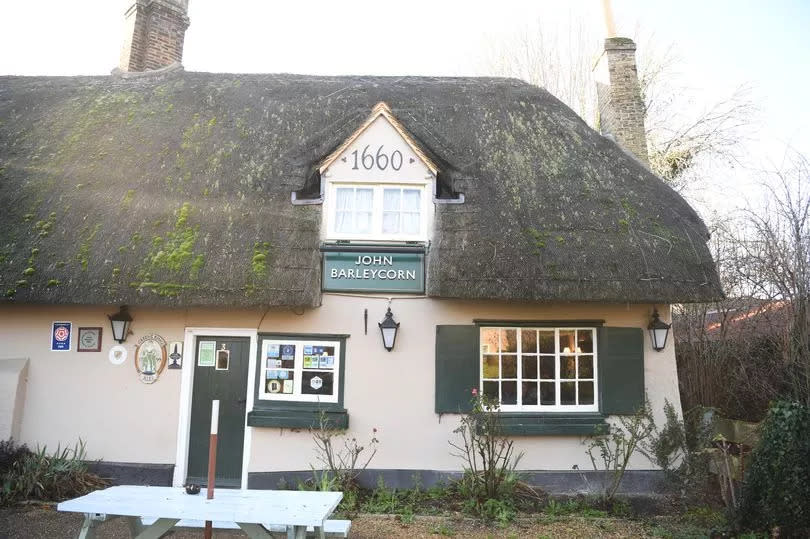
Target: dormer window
378,185
377,212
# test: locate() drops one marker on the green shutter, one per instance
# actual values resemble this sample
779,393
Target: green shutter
621,370
457,367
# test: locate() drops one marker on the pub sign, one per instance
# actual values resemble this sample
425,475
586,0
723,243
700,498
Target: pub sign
368,271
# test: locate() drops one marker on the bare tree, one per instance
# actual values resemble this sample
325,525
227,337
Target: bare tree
560,58
775,261
740,353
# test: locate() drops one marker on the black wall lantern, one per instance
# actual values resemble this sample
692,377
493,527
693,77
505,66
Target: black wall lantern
120,323
659,331
389,328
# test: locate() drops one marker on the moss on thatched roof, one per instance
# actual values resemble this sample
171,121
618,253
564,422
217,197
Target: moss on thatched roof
175,190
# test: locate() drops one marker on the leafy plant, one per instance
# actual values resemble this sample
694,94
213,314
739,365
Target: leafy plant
776,488
11,452
342,462
679,448
611,451
39,475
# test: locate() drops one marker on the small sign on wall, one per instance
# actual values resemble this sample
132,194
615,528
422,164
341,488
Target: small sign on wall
89,340
61,333
150,357
175,355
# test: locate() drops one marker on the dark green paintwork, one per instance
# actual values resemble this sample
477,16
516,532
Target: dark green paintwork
621,370
528,424
457,367
230,387
285,414
300,418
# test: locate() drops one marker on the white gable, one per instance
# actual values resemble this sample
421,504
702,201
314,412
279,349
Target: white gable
379,152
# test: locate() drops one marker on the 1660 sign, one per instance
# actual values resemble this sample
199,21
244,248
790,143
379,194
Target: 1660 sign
379,159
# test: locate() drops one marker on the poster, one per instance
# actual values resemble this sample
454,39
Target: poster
205,354
287,351
61,336
223,359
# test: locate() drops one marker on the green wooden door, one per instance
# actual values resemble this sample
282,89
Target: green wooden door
225,380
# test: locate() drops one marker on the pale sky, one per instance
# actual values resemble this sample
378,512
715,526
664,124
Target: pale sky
721,44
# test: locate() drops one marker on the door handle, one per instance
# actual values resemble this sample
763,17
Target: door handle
241,401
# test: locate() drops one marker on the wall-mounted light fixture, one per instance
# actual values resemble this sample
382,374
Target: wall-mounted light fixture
659,331
120,323
388,328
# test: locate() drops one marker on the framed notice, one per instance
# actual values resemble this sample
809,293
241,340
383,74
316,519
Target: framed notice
89,340
61,334
206,354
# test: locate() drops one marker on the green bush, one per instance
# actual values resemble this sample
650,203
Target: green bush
776,488
42,476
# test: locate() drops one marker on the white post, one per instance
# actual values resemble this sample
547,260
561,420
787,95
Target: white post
212,460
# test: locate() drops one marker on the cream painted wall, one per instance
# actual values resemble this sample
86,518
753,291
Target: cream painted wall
72,395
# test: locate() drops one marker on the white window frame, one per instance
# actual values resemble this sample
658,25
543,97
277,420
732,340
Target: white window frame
519,407
376,233
297,395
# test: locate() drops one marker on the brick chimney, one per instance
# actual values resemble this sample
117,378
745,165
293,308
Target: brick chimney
154,31
621,110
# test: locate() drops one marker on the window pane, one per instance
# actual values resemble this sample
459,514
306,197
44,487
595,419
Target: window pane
490,367
345,198
585,341
546,342
567,345
529,393
317,383
508,392
363,223
568,367
547,368
390,222
411,200
585,366
529,367
364,199
489,340
586,392
491,390
509,366
410,223
391,199
344,221
547,395
508,340
568,393
528,341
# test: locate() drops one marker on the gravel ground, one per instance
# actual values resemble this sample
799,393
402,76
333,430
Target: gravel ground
46,522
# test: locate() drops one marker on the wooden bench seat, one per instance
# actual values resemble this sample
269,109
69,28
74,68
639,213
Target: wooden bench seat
331,528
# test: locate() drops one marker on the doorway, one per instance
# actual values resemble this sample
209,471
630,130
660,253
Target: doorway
221,366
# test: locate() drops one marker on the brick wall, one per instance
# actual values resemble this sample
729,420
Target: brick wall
154,34
621,109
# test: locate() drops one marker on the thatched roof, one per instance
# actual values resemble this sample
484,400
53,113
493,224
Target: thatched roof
175,190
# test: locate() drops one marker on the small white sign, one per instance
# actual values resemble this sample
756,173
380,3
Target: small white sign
316,382
118,354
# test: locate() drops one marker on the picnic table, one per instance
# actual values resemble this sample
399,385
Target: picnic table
254,511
